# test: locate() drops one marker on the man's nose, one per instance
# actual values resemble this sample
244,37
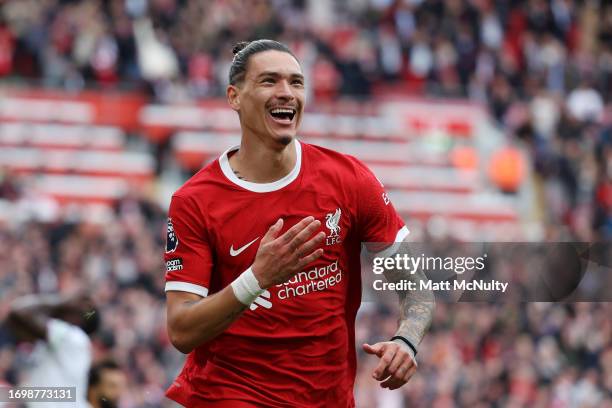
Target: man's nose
284,91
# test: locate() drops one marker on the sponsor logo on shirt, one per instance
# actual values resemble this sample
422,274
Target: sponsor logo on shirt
301,284
171,238
314,280
332,221
175,264
263,300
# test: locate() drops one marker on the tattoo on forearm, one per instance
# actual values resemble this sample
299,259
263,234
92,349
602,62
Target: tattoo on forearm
415,320
234,315
416,306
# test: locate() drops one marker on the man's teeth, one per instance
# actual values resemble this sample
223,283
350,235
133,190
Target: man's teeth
281,110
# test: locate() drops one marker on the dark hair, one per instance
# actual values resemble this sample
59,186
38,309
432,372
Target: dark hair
91,321
243,51
95,372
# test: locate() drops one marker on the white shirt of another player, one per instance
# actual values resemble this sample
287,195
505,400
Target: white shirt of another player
63,360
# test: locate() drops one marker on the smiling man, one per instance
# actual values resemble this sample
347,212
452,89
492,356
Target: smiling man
262,259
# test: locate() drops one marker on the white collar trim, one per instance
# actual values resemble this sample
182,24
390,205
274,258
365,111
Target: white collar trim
261,187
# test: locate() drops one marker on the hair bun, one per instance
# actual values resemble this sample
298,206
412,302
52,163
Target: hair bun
239,47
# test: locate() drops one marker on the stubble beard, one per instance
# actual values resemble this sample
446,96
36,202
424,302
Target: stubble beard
285,140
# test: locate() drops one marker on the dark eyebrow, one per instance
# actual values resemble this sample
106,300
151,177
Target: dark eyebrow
276,75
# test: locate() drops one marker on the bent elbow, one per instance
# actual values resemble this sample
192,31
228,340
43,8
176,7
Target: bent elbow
183,348
180,342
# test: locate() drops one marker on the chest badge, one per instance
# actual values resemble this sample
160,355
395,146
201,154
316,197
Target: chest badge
332,221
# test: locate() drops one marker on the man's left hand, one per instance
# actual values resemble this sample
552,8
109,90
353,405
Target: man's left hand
396,364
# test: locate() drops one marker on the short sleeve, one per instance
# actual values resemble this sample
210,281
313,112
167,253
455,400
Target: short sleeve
188,255
377,219
63,359
71,346
63,335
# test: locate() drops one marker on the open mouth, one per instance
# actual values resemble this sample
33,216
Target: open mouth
282,115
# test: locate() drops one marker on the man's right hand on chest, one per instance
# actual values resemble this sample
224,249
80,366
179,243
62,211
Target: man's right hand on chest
281,257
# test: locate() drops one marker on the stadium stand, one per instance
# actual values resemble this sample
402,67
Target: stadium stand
92,145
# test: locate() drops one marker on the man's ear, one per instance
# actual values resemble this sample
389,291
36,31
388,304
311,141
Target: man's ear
233,97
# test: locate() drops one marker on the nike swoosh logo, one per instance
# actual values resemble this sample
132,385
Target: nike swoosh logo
236,252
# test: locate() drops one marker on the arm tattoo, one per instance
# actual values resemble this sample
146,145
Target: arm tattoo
416,306
234,315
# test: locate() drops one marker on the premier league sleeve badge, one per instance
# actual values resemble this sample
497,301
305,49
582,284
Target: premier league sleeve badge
171,238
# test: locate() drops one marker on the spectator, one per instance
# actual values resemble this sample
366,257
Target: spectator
60,326
106,385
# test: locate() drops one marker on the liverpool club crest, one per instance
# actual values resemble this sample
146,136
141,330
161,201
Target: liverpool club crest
332,221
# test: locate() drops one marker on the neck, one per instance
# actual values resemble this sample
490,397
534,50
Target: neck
258,163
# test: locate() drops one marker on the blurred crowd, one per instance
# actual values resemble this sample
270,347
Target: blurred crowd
544,69
120,262
495,51
521,355
514,355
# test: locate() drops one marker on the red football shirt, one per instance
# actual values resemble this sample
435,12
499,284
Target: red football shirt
295,346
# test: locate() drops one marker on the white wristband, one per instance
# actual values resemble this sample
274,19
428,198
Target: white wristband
246,288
